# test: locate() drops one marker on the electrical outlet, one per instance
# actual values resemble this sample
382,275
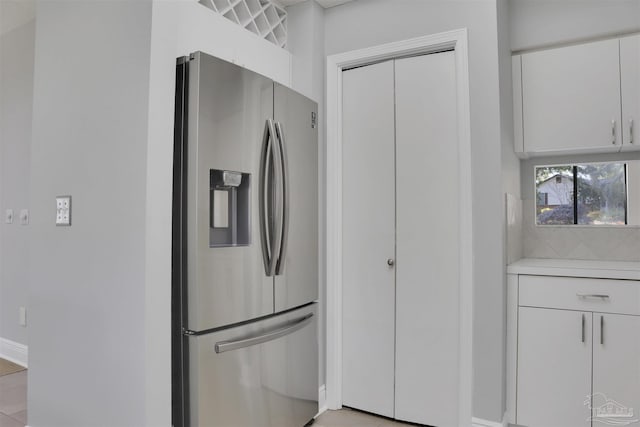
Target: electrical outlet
22,316
8,216
63,210
24,217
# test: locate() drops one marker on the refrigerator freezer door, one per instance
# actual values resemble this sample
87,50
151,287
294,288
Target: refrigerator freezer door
296,282
228,107
260,374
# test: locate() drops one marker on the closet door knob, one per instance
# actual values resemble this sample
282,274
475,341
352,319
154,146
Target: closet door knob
390,262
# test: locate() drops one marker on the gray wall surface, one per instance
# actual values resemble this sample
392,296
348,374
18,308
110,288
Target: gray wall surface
87,282
540,23
16,105
368,23
305,34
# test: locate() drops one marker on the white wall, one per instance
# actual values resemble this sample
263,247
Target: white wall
87,326
305,28
368,23
179,28
539,23
16,104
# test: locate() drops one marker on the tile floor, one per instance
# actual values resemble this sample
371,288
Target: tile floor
13,400
352,418
13,408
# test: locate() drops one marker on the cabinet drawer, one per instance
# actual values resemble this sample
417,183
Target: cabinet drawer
571,293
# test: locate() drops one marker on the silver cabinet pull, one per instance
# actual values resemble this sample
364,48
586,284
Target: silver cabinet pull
601,296
613,132
583,326
601,330
390,262
631,131
290,328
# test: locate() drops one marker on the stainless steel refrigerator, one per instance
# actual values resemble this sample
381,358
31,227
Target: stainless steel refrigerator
245,249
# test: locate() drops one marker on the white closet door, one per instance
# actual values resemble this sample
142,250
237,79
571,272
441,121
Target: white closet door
368,239
427,284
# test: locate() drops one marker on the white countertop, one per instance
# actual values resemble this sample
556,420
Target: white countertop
576,268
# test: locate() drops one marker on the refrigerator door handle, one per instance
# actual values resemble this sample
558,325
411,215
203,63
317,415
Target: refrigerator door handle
284,219
290,328
268,227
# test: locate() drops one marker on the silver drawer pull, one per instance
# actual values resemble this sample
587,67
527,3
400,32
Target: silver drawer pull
601,296
290,328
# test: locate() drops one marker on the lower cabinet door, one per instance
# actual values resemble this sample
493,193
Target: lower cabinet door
554,368
616,369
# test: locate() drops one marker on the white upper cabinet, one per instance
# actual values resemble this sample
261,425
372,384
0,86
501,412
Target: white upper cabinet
630,75
571,99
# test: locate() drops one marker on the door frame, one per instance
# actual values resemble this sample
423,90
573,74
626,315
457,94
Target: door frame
455,40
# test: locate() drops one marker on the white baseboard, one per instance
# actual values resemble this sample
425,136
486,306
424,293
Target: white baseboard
479,422
14,352
322,399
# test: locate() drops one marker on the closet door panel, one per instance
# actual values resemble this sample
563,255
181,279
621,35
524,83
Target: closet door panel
368,239
427,197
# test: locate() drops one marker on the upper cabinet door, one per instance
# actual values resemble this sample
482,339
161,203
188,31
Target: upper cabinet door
630,74
571,99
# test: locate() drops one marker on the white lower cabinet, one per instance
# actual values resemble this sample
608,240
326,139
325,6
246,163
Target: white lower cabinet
616,368
577,366
554,367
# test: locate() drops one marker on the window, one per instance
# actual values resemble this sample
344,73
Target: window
585,194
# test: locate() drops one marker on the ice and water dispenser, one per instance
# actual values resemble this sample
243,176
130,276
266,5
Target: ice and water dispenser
229,210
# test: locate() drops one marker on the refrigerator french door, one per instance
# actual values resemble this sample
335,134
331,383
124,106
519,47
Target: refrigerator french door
245,249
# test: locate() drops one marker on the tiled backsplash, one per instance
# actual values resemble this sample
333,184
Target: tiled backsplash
576,242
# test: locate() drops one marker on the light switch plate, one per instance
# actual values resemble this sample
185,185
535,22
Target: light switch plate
8,216
24,217
63,210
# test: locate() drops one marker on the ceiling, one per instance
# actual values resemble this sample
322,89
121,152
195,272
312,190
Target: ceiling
323,3
14,13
